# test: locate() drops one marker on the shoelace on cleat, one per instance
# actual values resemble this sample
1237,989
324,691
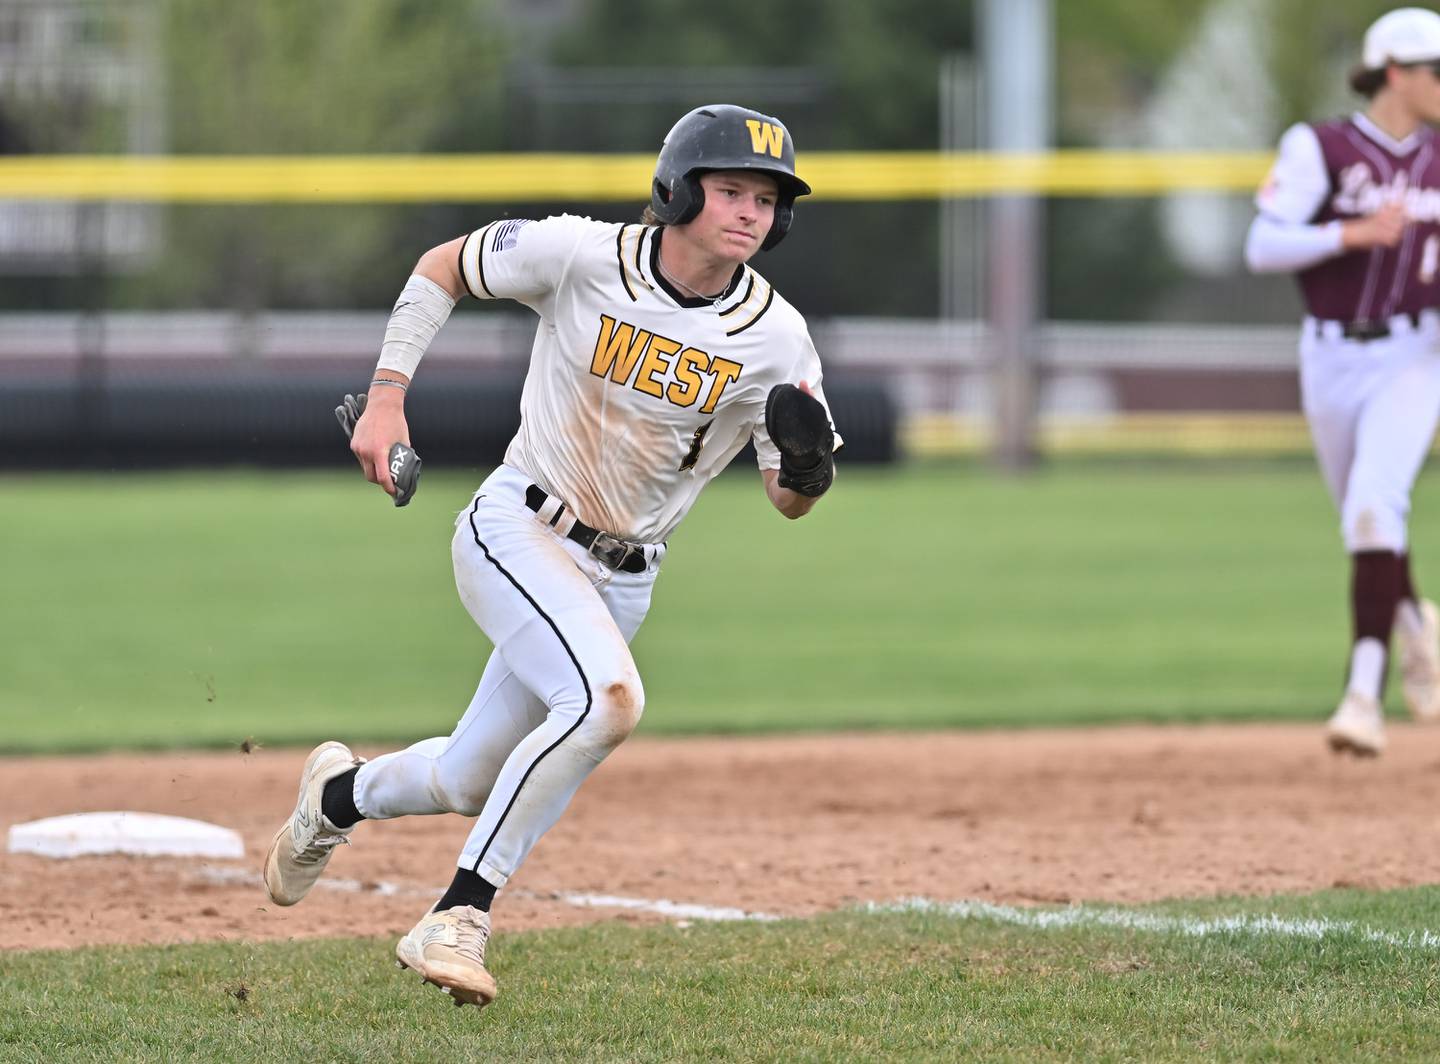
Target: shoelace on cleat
320,848
472,934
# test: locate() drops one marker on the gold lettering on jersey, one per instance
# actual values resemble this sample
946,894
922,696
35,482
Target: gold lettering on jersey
617,349
630,355
688,381
725,371
765,137
657,360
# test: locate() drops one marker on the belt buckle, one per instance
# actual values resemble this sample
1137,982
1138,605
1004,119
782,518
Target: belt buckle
1365,330
611,551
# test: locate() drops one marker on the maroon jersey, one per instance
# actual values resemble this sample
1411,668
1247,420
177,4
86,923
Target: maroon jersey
1364,176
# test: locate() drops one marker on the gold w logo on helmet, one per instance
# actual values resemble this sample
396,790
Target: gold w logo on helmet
765,137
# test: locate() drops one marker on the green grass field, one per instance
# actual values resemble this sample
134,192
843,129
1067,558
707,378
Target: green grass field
203,609
206,608
846,987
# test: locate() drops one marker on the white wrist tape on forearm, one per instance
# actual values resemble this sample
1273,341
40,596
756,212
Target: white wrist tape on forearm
421,309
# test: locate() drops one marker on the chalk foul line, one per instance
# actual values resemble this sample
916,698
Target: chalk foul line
386,889
1075,916
1156,923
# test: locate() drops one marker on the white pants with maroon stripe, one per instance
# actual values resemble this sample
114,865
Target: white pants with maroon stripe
559,692
1372,408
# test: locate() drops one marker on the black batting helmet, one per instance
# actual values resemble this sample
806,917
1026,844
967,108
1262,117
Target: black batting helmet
724,137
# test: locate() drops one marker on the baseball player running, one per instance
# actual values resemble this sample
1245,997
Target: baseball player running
659,352
1353,207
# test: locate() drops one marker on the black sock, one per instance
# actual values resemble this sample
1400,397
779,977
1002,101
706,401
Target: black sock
337,800
467,888
1376,582
1407,581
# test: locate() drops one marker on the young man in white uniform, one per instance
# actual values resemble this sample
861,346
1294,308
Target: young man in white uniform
1353,207
659,353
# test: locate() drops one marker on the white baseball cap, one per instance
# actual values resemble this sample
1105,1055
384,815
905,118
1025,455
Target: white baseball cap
1405,35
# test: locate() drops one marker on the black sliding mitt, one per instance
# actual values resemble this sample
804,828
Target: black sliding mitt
799,427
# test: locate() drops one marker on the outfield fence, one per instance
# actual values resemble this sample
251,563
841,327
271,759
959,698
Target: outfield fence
1213,380
535,177
1105,388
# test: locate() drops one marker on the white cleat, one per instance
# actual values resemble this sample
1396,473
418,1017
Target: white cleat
1357,726
1420,664
304,843
448,950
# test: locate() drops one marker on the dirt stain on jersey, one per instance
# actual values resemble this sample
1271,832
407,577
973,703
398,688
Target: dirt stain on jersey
613,449
588,451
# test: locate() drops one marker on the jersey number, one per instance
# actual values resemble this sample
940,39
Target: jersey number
693,454
1429,258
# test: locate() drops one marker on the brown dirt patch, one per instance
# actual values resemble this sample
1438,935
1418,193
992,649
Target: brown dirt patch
791,825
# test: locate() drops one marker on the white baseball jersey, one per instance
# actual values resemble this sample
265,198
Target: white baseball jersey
636,395
1283,237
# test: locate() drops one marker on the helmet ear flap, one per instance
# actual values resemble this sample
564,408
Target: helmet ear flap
784,216
678,205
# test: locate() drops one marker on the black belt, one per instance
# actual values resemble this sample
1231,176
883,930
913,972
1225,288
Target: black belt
609,550
1364,331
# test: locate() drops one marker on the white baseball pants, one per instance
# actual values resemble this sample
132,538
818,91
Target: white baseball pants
559,692
1372,409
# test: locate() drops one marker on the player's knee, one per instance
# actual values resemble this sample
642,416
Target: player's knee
616,711
1375,522
459,792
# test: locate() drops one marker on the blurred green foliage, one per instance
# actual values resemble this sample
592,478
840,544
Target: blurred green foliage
281,76
1309,45
301,76
1110,54
878,61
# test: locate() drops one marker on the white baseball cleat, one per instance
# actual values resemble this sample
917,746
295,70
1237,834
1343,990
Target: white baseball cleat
304,843
1420,664
1357,726
448,949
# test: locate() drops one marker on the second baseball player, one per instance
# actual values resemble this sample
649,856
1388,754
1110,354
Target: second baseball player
1353,207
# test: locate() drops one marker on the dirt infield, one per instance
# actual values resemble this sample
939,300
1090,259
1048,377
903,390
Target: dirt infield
791,826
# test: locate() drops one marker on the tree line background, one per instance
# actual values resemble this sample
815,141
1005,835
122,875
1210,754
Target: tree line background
302,76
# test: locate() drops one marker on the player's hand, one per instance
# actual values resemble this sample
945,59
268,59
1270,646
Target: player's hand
1383,229
800,429
381,424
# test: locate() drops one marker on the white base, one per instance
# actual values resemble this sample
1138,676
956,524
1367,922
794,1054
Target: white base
140,834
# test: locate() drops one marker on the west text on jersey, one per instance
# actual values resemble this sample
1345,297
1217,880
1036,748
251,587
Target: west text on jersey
630,355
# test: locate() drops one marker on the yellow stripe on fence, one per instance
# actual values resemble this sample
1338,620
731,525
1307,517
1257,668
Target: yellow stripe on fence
536,178
943,436
928,175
